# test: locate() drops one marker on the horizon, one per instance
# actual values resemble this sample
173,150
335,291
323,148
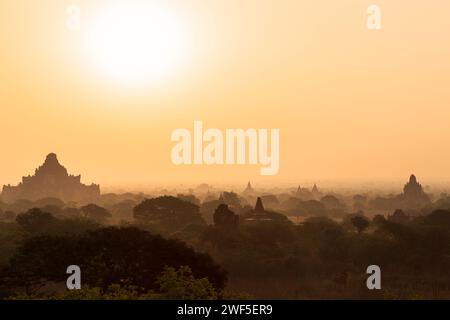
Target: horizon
340,185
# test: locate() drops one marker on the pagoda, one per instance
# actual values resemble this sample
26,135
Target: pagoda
249,189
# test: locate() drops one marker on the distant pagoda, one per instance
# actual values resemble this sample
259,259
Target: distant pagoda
51,180
315,190
249,189
258,214
413,192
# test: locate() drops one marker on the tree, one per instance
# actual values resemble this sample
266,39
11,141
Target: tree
9,216
70,212
311,208
95,212
173,284
168,212
331,202
438,218
21,206
35,220
361,223
182,285
108,256
359,202
124,209
231,198
378,220
189,198
51,201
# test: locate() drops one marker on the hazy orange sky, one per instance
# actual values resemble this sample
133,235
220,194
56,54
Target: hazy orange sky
350,103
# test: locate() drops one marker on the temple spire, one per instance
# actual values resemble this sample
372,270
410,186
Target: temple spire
259,207
51,180
315,189
249,189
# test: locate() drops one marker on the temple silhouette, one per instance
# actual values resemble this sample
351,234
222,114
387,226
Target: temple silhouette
413,193
51,180
249,189
413,189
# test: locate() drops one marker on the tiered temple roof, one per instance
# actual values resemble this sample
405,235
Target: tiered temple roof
51,179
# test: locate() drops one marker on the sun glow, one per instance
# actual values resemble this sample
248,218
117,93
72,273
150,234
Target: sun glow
137,44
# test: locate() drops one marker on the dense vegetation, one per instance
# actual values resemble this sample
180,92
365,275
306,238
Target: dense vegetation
166,249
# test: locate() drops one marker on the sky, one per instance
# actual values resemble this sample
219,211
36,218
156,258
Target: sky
351,103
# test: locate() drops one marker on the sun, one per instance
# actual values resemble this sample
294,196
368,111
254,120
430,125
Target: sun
136,44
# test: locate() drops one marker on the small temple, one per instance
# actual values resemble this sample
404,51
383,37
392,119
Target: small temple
249,189
259,207
315,190
257,214
51,180
224,217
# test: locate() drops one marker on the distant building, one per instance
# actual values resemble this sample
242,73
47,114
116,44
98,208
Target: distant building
413,189
51,180
413,197
259,207
249,189
304,193
225,218
398,217
413,193
315,191
259,213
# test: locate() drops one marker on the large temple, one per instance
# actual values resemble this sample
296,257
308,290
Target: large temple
413,193
413,189
51,180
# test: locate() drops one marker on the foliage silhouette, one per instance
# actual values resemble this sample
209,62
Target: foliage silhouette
107,256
